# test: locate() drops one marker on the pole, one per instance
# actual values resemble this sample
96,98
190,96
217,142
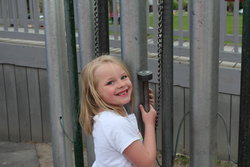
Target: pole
73,79
244,128
58,80
204,54
86,51
167,84
103,25
134,44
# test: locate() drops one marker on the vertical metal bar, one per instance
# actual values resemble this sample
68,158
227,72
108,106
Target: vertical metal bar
204,52
134,44
167,84
31,11
180,23
115,20
155,21
73,79
58,83
6,11
36,15
236,26
22,13
5,15
14,14
86,35
86,51
103,25
223,16
147,15
244,128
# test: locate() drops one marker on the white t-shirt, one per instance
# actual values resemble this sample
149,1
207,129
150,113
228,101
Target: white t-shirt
112,134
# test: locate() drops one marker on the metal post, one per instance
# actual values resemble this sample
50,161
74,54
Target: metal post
167,84
86,51
204,54
134,43
73,79
244,128
103,25
58,83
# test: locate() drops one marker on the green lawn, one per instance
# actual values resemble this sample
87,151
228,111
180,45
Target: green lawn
229,21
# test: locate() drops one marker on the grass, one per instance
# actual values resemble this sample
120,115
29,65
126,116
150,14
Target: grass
229,25
229,22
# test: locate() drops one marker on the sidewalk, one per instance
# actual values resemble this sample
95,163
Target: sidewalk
29,155
25,155
40,155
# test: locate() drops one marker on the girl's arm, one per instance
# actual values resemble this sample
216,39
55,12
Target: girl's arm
143,154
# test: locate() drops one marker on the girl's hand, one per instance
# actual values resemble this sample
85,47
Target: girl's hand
143,154
151,97
148,118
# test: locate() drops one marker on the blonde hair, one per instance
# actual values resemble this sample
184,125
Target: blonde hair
91,102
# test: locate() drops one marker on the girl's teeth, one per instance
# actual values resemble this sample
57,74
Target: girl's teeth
123,93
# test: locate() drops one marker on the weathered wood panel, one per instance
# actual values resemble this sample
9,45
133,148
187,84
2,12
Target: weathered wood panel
43,81
23,55
23,103
35,105
11,101
4,131
222,137
234,130
187,120
179,104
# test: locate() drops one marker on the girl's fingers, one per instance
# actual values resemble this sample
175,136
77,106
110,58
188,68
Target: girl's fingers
142,108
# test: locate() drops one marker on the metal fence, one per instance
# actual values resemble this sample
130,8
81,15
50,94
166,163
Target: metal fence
23,76
23,19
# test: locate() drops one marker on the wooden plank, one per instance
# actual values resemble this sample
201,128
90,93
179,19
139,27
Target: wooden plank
11,97
43,81
31,56
178,116
235,127
13,6
34,56
225,110
23,103
5,15
4,131
23,15
36,15
187,121
35,106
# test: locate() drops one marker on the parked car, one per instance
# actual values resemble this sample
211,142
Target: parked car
241,11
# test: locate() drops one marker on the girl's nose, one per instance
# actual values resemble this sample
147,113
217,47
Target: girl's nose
121,83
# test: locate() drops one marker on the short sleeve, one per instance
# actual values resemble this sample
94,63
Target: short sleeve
121,132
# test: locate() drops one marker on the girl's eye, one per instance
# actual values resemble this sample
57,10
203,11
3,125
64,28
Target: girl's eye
110,83
124,77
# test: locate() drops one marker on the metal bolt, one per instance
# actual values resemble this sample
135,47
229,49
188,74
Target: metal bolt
144,77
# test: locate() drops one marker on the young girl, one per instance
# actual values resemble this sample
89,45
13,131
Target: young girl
106,88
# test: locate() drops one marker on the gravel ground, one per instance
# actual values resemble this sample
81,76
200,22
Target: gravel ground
44,154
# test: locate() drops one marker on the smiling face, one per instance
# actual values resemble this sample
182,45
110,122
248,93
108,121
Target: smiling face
113,84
